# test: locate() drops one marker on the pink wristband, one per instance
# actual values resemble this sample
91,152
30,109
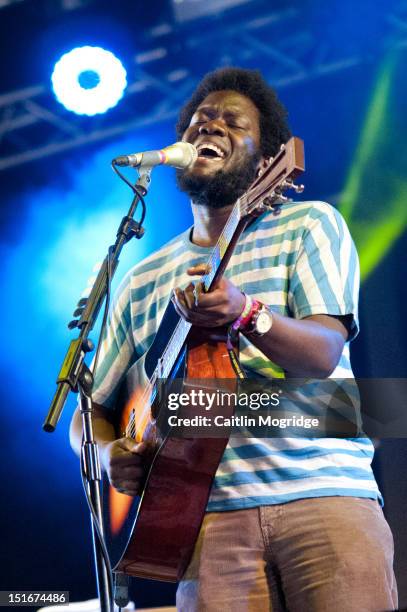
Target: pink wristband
250,307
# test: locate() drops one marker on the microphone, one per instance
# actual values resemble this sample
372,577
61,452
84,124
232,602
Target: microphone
178,155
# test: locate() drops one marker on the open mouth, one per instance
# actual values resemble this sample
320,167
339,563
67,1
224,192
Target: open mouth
210,151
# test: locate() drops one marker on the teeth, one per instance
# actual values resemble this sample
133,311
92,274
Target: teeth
212,147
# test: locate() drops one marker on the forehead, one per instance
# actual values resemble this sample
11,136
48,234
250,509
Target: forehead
230,101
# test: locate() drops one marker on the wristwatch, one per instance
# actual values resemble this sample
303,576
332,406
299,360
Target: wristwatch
260,322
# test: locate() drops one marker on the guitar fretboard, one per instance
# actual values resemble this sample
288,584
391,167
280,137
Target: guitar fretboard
221,246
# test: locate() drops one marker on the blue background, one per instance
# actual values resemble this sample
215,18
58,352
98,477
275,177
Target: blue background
59,214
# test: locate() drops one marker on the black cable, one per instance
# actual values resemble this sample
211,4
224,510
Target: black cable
98,529
144,209
135,189
126,180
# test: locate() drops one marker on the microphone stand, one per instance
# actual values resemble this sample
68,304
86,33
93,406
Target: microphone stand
76,376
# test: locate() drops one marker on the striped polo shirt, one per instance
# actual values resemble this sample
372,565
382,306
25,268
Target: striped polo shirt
299,262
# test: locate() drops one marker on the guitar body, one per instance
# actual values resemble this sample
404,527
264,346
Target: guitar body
153,536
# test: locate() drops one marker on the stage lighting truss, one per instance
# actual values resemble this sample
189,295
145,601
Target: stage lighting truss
33,126
89,80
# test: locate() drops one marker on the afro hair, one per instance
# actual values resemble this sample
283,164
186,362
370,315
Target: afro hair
274,127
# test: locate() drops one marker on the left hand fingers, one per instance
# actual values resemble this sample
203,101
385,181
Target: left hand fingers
191,295
189,299
199,270
194,298
191,315
221,305
185,300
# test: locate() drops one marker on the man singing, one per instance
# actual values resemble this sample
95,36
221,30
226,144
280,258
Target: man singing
292,523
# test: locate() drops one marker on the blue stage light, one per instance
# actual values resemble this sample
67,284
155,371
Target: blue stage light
89,80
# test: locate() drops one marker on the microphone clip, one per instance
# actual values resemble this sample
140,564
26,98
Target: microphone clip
129,228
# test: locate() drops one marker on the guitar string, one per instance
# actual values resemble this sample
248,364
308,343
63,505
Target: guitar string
131,427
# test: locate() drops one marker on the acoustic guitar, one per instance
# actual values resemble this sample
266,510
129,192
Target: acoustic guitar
153,535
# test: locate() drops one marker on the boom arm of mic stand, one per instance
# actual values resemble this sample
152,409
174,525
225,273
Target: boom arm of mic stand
74,359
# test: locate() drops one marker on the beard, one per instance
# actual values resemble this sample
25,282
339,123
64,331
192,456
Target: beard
222,188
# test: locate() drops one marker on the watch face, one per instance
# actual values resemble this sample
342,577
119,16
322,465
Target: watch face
263,322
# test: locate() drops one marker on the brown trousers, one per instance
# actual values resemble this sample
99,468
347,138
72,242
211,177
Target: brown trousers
322,554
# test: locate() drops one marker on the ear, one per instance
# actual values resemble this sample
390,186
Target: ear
263,164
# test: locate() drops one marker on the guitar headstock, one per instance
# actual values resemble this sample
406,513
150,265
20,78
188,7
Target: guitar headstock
267,190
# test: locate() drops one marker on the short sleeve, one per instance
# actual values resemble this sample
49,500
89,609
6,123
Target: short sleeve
118,351
325,278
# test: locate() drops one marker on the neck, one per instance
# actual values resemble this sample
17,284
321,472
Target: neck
209,223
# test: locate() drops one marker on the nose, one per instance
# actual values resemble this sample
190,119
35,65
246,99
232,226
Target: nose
213,127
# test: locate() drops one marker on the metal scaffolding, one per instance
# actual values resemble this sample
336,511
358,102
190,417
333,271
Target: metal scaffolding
33,125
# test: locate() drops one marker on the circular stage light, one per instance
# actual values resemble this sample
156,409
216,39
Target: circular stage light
89,80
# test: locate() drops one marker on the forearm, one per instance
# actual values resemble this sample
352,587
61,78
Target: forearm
303,347
103,429
308,347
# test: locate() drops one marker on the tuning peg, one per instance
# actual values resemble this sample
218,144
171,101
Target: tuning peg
274,201
78,312
82,302
289,184
72,324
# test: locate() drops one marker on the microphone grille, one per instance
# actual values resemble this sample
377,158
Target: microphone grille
193,151
189,153
179,155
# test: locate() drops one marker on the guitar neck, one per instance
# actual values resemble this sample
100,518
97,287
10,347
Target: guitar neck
223,250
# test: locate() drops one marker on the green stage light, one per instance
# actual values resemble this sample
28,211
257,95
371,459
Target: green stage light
374,196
